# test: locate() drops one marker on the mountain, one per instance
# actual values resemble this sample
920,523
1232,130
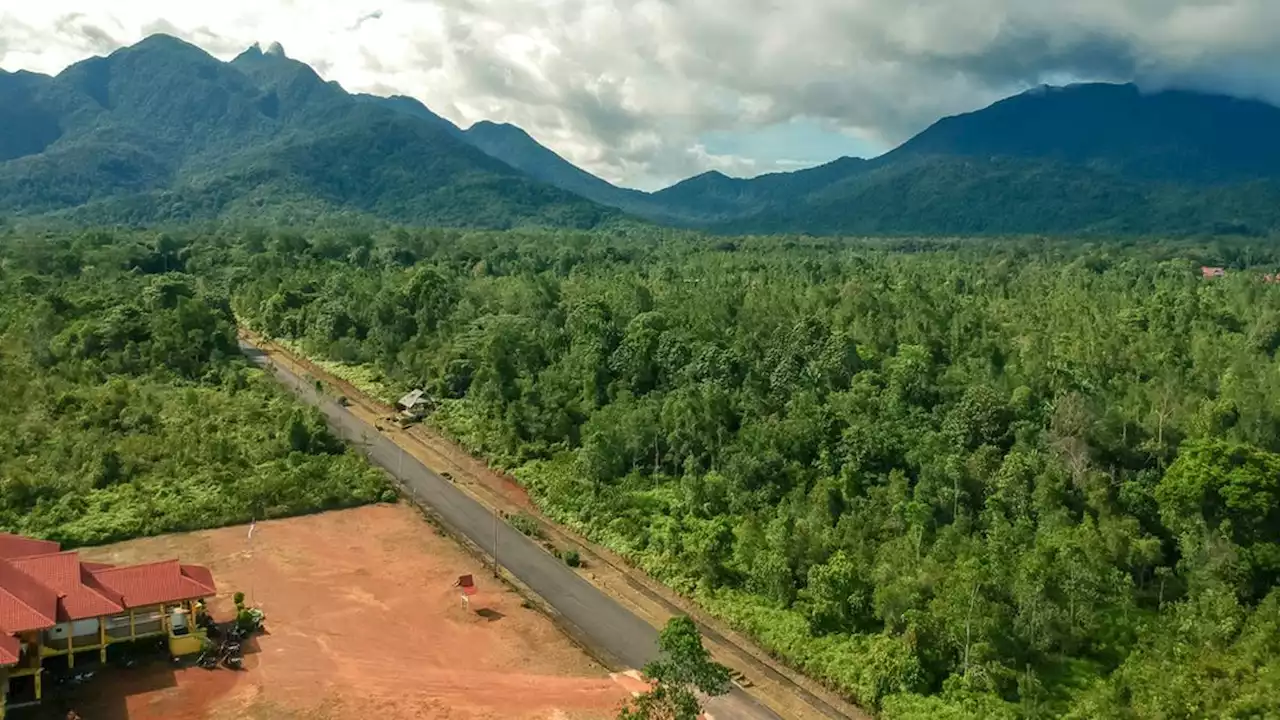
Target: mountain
714,197
162,131
1172,135
1087,158
701,201
516,148
413,108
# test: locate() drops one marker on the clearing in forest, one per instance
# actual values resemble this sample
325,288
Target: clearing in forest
362,621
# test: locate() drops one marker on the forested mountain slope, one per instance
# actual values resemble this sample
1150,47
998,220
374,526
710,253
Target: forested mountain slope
964,480
1093,158
161,131
1170,135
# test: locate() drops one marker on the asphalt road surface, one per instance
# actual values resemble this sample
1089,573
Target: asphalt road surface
603,623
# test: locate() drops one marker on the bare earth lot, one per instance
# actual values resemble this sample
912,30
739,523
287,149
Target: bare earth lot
363,623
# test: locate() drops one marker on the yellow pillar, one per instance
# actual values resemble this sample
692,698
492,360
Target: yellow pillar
71,650
133,635
102,638
37,676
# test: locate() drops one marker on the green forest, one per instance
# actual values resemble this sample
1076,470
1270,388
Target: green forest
951,479
1011,478
128,409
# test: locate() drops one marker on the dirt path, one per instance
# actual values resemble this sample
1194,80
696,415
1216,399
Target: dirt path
780,688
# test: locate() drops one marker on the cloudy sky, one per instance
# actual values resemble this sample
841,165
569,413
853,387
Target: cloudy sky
646,92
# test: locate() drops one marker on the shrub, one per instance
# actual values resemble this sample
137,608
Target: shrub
526,525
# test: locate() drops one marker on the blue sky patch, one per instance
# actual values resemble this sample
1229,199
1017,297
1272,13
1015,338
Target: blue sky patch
790,146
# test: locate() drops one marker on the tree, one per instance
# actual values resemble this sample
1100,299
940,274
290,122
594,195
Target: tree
1232,490
836,599
685,669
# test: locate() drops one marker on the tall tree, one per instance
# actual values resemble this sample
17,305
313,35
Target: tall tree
685,670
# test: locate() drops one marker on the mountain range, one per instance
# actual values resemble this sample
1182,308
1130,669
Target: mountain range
163,132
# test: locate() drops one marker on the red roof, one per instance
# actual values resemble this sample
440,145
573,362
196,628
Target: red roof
200,574
13,546
40,587
25,604
76,600
10,650
154,583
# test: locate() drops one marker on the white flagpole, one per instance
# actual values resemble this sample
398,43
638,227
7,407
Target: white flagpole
253,524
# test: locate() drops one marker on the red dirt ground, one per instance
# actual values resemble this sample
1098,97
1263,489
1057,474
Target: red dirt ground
363,623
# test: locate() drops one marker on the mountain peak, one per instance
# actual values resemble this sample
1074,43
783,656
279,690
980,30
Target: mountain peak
405,105
255,53
164,131
710,178
161,41
1162,134
488,127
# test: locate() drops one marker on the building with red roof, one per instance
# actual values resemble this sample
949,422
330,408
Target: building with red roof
54,604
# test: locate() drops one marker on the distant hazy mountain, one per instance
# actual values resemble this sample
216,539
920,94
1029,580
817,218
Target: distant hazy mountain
1083,158
515,147
162,131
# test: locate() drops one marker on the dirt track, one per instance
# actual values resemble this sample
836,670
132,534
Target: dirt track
363,623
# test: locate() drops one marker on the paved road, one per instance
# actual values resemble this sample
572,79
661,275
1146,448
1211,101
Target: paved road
596,617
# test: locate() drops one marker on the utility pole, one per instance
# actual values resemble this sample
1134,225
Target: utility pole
495,541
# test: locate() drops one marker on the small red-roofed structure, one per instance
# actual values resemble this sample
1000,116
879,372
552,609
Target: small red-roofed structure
52,603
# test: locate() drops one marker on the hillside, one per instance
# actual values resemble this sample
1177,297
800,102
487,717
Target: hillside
1177,136
162,131
1081,159
1089,158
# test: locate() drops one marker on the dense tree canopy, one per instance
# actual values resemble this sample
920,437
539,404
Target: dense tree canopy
128,410
961,479
950,479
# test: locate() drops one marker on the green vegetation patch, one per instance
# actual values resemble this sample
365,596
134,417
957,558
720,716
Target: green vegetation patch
129,411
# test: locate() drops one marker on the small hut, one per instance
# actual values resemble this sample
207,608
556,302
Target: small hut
413,406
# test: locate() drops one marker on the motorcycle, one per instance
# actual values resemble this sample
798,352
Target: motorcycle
232,655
